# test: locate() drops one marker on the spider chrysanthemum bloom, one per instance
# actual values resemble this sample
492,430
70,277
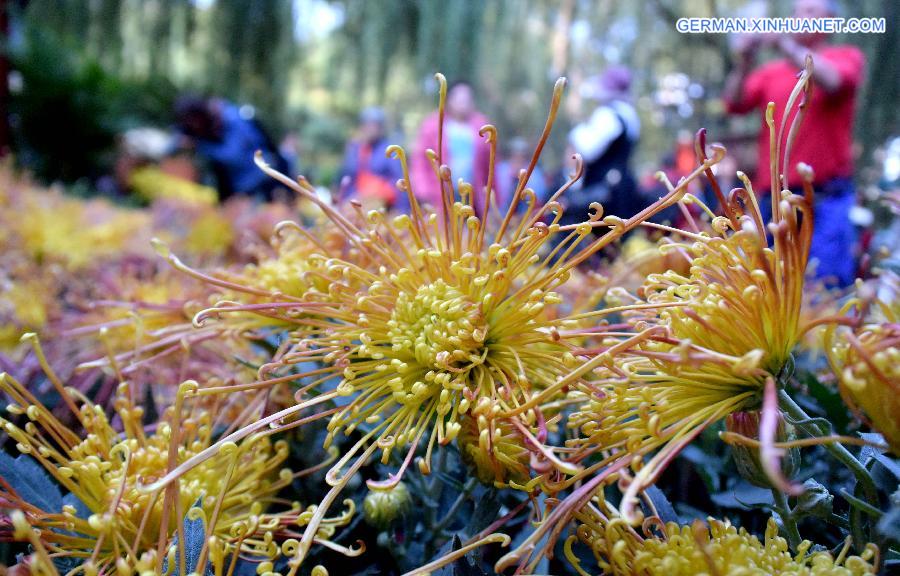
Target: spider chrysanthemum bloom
713,342
297,271
298,264
713,548
133,313
437,311
146,316
867,363
136,326
111,521
726,330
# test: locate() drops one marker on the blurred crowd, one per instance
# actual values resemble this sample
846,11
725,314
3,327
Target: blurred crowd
213,142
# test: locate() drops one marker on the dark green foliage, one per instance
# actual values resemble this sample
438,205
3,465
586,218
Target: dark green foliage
66,117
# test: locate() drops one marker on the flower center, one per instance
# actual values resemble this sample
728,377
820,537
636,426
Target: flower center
439,325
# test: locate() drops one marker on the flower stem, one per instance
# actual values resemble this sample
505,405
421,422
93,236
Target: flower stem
841,454
787,518
460,500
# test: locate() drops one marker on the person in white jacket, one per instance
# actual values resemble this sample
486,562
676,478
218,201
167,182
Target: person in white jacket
606,142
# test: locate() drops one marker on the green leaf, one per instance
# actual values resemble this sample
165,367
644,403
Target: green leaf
661,503
468,565
829,400
743,496
889,525
485,512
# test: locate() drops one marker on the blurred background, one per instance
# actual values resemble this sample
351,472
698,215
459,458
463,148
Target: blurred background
140,100
82,72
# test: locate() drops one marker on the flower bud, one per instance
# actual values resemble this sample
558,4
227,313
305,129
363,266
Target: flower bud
494,449
747,457
384,505
815,501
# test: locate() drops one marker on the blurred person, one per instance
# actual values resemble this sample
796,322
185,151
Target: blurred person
824,140
149,167
136,148
652,187
464,150
367,173
289,149
606,141
889,158
229,139
517,159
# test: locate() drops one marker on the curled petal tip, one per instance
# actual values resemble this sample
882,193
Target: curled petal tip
718,152
394,151
160,247
260,161
489,131
806,171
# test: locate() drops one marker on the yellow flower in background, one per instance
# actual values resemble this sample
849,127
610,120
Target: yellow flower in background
76,232
713,548
111,521
150,183
867,363
23,308
210,233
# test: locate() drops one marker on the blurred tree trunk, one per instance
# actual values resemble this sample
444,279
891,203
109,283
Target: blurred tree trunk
561,35
4,80
877,119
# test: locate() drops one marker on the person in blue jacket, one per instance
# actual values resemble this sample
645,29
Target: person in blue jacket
367,174
228,137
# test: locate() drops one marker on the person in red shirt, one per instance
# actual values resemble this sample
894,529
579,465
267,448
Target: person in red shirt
824,140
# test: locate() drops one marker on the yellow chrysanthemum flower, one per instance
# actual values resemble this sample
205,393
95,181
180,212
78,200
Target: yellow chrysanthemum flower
726,329
715,548
711,342
115,522
24,308
867,362
210,233
433,313
150,183
74,232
